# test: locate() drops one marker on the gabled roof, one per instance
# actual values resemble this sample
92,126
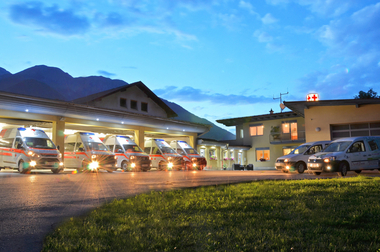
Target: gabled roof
299,106
139,85
266,117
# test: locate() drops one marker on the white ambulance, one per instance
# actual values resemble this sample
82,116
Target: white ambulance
192,160
26,149
347,154
130,157
85,151
163,157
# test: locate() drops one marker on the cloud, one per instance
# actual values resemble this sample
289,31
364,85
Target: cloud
50,19
190,94
268,19
105,73
262,36
248,6
353,41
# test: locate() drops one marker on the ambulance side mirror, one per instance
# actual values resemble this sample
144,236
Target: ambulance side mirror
120,150
80,149
57,147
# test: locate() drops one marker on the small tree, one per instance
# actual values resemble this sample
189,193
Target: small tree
367,95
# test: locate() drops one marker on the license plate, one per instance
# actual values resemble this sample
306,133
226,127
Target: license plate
314,165
144,165
49,163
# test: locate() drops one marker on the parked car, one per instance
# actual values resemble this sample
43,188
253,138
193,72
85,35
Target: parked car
129,156
26,149
347,154
85,151
163,157
192,160
297,159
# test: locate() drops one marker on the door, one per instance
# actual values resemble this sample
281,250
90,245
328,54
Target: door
373,154
357,156
239,157
9,158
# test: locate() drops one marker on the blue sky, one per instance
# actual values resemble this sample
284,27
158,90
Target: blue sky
217,59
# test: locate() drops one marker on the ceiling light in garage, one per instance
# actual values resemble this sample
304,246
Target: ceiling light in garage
97,119
26,110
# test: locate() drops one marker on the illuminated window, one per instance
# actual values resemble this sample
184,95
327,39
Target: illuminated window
287,150
262,154
212,154
256,130
241,133
285,127
202,152
123,102
134,104
290,127
144,106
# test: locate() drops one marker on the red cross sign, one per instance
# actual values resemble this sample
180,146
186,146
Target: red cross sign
312,97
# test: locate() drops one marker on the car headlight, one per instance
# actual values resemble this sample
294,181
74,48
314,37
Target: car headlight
30,153
132,157
93,157
60,155
286,160
328,159
33,163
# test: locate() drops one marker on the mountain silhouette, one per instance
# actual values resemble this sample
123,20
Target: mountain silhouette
53,83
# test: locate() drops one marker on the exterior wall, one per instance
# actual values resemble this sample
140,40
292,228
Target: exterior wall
324,116
264,141
134,93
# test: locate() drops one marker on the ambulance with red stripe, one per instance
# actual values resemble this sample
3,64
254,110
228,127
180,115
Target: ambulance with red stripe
84,151
26,149
129,156
163,157
192,160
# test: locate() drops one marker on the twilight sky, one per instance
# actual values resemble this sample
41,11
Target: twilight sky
217,59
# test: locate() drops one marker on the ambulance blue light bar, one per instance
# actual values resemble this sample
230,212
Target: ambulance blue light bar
123,136
21,129
158,139
87,133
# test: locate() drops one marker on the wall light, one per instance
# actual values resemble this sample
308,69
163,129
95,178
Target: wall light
317,129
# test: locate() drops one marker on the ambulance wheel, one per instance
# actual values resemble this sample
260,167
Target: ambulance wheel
300,167
343,169
55,171
161,166
21,167
124,166
358,171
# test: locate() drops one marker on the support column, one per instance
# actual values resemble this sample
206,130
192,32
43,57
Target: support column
140,138
59,135
192,142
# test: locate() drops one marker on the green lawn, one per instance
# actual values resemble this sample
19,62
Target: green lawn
340,214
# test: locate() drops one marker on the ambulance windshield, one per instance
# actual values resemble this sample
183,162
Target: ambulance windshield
95,146
167,149
132,148
191,151
40,143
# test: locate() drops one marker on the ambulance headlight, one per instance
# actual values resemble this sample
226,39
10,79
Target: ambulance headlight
194,159
133,165
115,157
31,153
61,164
93,157
169,158
93,165
60,155
194,164
33,163
286,160
170,165
132,157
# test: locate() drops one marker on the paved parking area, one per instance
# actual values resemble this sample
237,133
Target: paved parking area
31,205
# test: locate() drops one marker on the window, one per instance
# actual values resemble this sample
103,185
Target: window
241,133
123,102
134,104
357,129
118,148
79,147
314,149
256,130
144,106
147,150
290,127
372,144
18,141
287,150
212,155
262,154
232,156
357,147
69,147
202,152
225,155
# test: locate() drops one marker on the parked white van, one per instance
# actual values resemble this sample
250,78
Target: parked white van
296,160
163,157
129,156
192,160
85,151
26,149
347,154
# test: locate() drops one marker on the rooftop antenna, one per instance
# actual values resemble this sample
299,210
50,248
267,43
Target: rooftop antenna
281,105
